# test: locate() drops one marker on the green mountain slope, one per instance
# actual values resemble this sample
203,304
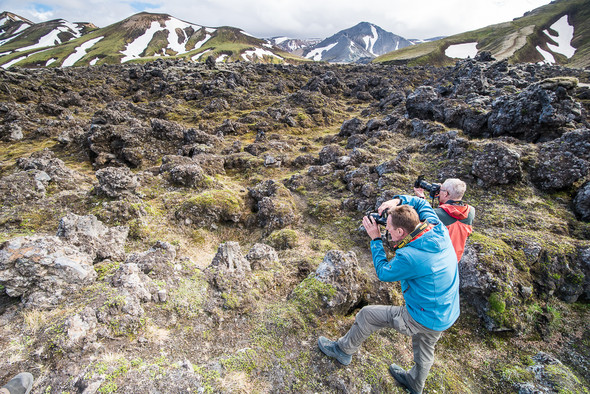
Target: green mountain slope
521,40
139,38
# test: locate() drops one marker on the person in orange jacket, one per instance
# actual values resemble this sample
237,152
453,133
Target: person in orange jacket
453,212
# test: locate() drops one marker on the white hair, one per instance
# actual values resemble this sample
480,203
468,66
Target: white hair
455,187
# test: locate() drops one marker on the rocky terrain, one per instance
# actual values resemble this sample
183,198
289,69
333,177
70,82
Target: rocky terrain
194,227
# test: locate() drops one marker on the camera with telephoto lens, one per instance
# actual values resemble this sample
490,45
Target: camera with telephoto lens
379,219
432,188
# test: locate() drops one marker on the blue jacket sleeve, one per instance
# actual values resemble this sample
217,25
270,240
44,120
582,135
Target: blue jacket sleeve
425,211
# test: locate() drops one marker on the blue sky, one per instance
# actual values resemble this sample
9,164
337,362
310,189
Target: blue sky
292,18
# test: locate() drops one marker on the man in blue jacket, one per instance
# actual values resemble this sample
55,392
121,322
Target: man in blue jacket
425,263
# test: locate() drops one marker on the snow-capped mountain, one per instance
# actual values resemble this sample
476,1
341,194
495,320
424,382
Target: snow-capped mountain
556,33
296,46
360,43
11,25
142,36
18,34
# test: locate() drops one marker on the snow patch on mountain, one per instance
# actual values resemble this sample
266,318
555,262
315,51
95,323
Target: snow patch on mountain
316,53
14,61
198,55
565,34
462,51
371,40
177,38
258,53
80,52
546,55
134,49
20,29
177,42
52,38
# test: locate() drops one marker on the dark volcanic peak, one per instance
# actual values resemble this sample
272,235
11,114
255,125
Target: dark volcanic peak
361,42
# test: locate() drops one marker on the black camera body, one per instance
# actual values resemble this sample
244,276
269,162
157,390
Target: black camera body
432,188
379,219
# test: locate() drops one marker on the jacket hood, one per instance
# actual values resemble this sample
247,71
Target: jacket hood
458,212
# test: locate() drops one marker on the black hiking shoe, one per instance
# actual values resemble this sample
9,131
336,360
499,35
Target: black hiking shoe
331,349
399,374
20,384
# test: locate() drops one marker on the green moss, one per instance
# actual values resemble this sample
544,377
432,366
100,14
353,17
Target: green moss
563,380
283,239
210,379
514,374
497,302
322,245
214,204
495,250
232,301
106,268
324,210
188,296
244,361
311,294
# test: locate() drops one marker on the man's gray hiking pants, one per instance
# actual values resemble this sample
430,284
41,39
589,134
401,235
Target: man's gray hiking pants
374,317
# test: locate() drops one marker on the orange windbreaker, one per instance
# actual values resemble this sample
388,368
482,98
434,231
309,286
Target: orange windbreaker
459,220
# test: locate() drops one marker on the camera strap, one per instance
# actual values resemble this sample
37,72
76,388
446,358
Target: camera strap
421,228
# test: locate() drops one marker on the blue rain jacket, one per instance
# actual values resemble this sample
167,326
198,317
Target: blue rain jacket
427,270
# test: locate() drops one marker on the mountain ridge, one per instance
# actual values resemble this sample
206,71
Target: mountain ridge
528,39
359,43
140,37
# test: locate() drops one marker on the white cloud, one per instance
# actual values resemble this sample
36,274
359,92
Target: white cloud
296,18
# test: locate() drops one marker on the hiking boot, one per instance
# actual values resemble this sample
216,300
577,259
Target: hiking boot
400,375
20,384
331,349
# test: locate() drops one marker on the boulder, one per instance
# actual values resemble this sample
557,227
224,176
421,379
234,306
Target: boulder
229,259
46,161
341,271
92,237
497,165
166,130
582,203
80,328
274,204
550,375
538,113
557,170
424,103
158,258
11,132
43,270
576,142
182,171
262,256
23,186
331,153
116,182
351,127
134,281
275,213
